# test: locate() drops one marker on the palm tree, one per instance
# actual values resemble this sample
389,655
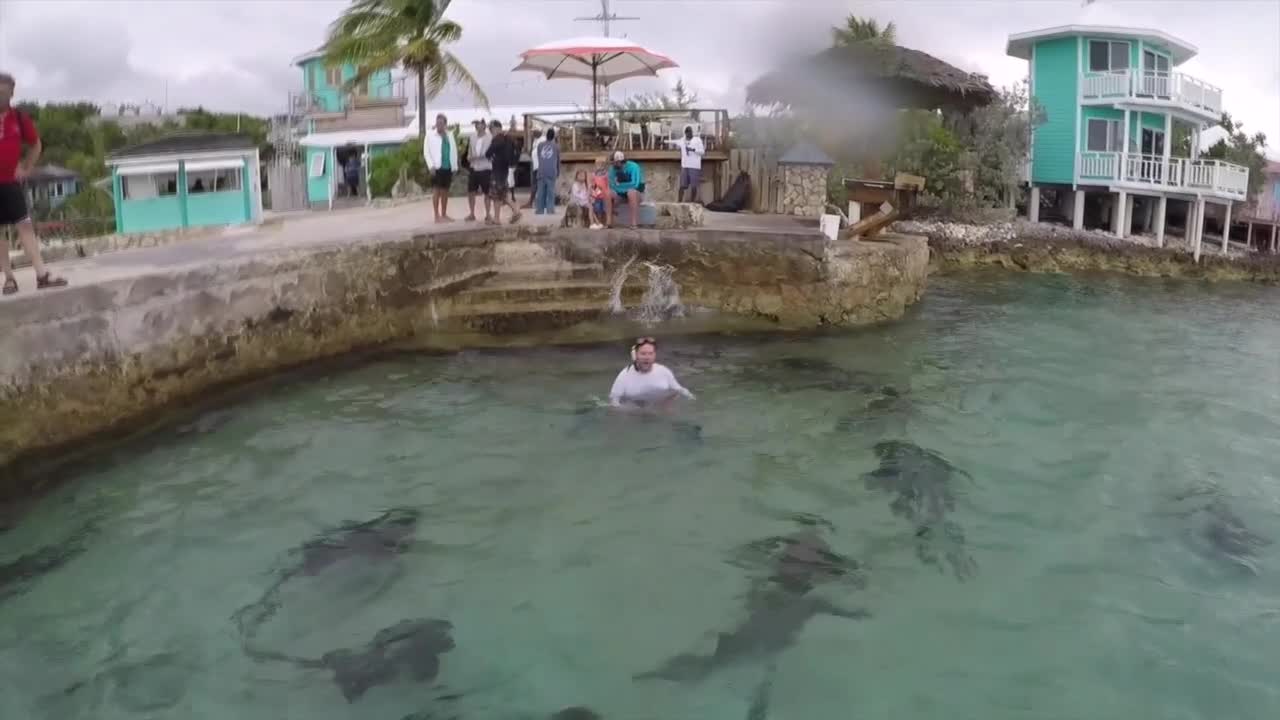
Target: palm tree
857,30
379,34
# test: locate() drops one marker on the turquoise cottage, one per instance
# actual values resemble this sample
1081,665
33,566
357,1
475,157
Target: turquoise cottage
186,180
340,120
1113,105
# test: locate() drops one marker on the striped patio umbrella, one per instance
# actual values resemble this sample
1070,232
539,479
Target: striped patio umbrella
602,60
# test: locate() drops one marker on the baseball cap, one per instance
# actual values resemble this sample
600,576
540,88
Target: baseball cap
618,156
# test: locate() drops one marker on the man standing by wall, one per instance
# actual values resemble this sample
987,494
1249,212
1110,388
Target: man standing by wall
440,151
16,132
480,179
502,153
691,151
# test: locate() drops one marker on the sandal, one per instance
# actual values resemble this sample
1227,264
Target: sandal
49,281
514,219
10,286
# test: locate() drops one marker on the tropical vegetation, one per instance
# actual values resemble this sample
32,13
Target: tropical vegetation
377,35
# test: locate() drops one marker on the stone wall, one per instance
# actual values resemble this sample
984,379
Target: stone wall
110,355
662,180
58,250
804,190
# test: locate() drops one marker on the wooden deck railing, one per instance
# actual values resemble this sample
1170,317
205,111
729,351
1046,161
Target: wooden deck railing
629,130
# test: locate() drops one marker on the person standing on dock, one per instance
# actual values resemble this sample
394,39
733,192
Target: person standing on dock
480,178
16,132
440,150
548,174
502,154
691,151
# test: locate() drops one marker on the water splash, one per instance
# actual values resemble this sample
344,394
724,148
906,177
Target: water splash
619,279
661,300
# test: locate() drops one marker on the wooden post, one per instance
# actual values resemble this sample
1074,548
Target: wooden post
1273,238
1161,207
1226,228
1033,205
1198,227
1077,212
1118,215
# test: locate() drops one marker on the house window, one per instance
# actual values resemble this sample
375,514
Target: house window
333,76
220,180
55,190
1103,135
1276,191
1108,55
143,187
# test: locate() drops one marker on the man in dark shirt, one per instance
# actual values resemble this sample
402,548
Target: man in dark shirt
16,131
502,153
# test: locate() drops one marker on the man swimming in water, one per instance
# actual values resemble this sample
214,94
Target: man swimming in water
644,382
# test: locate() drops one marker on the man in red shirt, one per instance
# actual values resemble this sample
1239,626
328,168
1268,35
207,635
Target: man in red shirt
16,132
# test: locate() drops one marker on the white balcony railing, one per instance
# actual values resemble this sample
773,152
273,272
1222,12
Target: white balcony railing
1174,88
1211,176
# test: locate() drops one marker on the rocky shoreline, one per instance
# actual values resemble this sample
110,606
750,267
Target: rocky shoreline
1042,247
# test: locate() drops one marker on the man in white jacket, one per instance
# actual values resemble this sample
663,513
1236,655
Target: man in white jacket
440,151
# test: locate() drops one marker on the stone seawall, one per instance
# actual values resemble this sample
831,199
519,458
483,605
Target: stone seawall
1048,248
112,353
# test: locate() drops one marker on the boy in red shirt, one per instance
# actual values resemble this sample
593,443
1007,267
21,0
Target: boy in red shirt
17,131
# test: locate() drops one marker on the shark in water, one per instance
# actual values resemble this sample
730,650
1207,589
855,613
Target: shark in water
777,610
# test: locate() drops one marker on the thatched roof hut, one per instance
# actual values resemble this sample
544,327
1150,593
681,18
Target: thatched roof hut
892,75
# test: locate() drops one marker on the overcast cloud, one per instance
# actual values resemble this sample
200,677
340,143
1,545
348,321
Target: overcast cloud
235,54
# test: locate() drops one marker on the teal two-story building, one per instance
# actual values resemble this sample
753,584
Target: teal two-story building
186,180
1112,105
341,120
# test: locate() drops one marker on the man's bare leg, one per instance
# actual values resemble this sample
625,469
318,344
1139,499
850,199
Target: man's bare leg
608,209
633,199
443,196
31,246
471,207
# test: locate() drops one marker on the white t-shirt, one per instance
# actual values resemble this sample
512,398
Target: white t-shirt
690,152
640,388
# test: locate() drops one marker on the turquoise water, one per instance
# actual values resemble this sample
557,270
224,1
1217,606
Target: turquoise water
1072,419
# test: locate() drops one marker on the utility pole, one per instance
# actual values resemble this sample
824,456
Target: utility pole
604,17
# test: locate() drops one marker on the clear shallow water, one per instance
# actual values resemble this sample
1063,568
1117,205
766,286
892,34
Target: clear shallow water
571,553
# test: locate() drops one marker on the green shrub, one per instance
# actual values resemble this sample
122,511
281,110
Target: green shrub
384,170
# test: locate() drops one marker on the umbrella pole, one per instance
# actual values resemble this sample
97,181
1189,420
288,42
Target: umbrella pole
595,93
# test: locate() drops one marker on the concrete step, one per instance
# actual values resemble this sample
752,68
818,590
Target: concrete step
541,297
550,271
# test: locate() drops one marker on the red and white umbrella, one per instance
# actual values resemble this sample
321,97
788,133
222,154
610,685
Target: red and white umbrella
602,60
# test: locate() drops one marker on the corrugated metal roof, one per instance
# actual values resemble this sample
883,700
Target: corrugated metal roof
185,142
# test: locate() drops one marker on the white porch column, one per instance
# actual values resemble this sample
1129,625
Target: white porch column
1077,212
1248,236
1127,227
1195,143
1273,238
1125,146
1226,228
1120,214
1168,146
1033,205
1160,211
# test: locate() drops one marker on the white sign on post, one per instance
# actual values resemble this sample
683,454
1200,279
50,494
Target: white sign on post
317,165
830,226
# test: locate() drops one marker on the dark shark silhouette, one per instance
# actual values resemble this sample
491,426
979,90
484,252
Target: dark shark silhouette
1225,532
409,648
18,574
923,484
777,610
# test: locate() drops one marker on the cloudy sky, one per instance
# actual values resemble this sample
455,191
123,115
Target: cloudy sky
235,54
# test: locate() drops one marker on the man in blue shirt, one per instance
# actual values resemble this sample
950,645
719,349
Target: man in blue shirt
626,184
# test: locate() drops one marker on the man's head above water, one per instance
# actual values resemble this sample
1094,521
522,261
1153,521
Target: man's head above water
644,353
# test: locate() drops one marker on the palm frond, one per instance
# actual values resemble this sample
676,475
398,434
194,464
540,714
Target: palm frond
463,77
